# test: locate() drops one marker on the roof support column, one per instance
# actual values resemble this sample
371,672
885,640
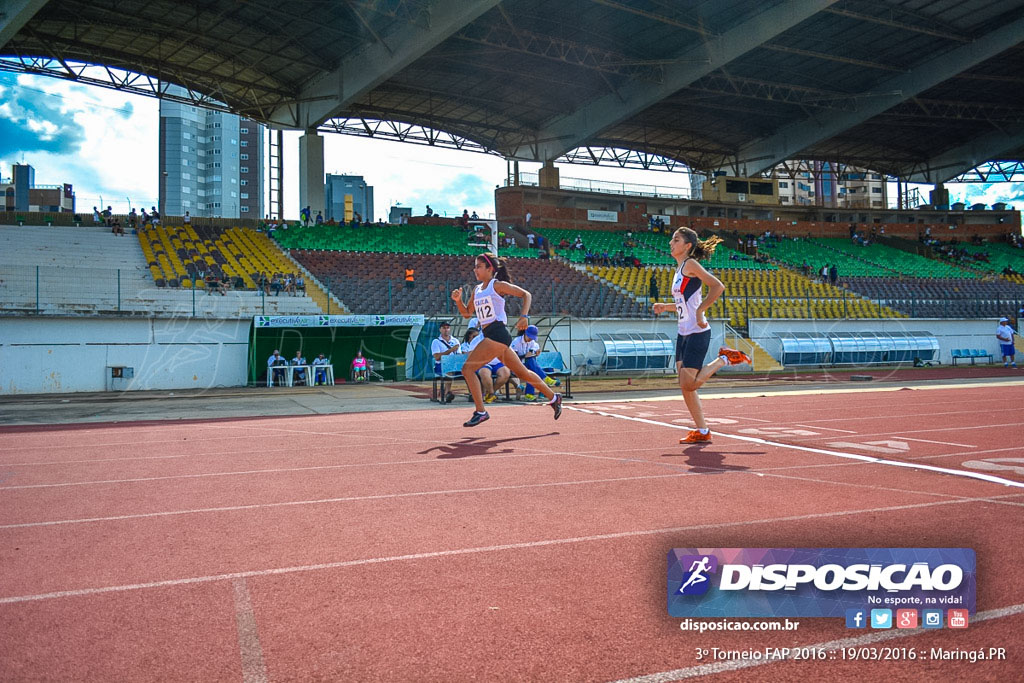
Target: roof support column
311,172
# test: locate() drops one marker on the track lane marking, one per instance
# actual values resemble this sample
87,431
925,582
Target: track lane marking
821,451
14,599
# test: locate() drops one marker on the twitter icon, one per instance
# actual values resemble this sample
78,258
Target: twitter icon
881,618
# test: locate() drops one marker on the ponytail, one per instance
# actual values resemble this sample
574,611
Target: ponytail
700,249
496,264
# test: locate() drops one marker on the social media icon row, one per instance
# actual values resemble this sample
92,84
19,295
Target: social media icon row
905,618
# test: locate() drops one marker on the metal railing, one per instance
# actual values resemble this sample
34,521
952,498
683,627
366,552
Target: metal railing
61,290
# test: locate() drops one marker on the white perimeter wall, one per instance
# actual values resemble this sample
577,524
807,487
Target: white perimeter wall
63,355
952,334
59,355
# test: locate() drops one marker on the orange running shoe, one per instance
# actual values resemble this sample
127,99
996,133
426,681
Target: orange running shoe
734,357
696,437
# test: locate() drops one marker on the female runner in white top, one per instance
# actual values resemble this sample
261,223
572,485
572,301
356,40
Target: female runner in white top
488,305
694,333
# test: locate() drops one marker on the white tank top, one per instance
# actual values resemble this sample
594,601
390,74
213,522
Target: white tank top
686,291
489,305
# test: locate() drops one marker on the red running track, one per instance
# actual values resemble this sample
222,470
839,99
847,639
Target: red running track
401,546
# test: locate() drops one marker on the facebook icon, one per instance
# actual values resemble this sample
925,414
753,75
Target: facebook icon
856,618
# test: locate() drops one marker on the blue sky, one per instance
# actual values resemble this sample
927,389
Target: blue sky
105,144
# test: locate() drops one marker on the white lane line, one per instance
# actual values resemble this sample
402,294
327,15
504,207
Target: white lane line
943,443
764,392
830,429
254,669
823,451
829,646
472,551
248,472
349,499
686,471
929,431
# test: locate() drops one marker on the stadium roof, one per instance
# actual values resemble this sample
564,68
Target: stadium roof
924,89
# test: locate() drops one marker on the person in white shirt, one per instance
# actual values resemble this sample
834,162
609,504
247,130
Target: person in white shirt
527,348
1004,333
444,345
300,375
320,376
275,364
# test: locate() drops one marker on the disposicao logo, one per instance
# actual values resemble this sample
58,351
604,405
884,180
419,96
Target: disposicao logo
696,581
824,582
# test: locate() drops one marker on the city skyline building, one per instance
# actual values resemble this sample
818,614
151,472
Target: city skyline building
823,183
336,187
210,162
20,193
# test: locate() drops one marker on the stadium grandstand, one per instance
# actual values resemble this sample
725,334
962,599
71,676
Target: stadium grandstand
824,94
233,444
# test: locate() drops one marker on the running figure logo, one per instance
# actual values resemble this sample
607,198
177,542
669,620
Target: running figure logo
696,581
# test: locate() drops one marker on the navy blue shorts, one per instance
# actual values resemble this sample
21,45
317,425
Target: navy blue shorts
691,349
1008,349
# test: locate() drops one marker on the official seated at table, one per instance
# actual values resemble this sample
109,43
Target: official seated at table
299,374
276,369
319,370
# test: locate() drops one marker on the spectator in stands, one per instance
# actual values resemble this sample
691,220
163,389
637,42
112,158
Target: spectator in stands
429,211
529,217
224,285
488,304
652,290
108,217
117,229
823,274
564,244
212,284
299,375
360,373
275,284
305,214
833,274
464,221
289,284
530,239
276,364
319,371
263,283
300,284
154,216
805,268
187,218
238,282
694,334
1004,333
474,216
444,345
578,244
133,220
96,216
145,218
319,218
410,276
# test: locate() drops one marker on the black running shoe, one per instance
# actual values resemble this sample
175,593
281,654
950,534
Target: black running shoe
556,405
477,419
